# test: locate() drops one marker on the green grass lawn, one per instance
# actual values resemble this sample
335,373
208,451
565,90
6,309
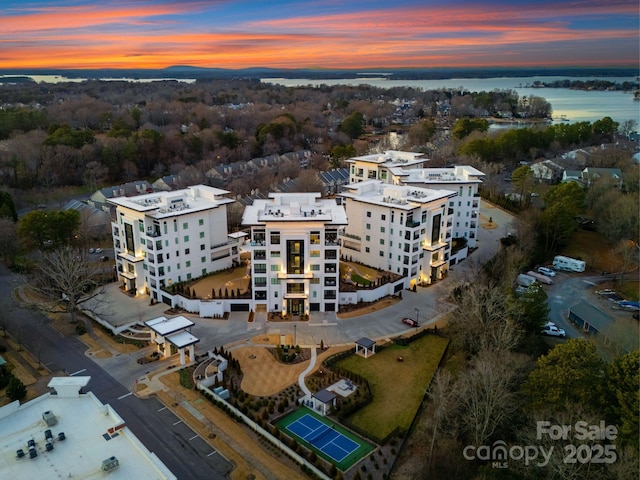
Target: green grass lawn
397,386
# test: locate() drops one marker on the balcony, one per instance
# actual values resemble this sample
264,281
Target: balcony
350,235
412,224
260,255
153,232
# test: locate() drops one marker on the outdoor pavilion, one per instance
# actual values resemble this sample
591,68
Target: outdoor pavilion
367,345
173,331
323,400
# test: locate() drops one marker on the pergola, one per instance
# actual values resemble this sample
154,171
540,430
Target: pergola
323,400
173,331
367,345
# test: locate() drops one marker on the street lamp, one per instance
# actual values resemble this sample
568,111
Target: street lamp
417,317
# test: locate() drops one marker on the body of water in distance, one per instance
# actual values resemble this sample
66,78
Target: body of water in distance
574,105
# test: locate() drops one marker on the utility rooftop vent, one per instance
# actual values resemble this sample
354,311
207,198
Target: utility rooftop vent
49,418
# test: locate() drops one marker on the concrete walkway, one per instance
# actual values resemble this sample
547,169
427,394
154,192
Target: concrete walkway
303,374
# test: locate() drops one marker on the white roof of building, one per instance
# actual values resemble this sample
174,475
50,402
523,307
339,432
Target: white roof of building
182,339
294,207
166,326
391,158
403,197
93,432
457,174
179,202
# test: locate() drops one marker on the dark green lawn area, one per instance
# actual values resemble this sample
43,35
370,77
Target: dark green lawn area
397,386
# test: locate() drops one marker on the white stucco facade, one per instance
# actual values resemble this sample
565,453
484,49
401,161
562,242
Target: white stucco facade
294,252
398,228
164,238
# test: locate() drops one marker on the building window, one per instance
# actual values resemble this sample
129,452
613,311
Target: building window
188,263
315,281
201,222
315,268
366,249
141,225
260,267
204,271
185,226
188,276
202,246
187,251
383,217
368,214
295,287
295,256
368,226
381,229
276,268
201,234
274,254
203,259
275,238
367,238
314,253
381,253
186,238
260,281
314,238
128,238
435,232
382,241
275,281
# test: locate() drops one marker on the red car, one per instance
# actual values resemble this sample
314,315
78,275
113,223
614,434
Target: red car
410,321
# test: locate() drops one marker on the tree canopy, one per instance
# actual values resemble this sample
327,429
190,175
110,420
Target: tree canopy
48,230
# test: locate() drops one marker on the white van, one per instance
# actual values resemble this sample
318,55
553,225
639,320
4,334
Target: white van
568,264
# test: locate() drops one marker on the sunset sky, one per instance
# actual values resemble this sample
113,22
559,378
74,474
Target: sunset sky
317,33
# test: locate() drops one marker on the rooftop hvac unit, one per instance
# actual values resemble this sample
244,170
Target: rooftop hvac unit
19,453
49,446
48,435
109,464
61,436
49,418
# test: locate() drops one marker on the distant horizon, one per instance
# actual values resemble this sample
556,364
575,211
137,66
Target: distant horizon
311,35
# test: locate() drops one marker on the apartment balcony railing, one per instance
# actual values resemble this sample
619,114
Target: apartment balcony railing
153,232
412,224
350,235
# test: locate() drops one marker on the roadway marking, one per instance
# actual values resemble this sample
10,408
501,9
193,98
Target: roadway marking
590,283
76,373
161,409
212,453
195,436
125,395
326,324
179,421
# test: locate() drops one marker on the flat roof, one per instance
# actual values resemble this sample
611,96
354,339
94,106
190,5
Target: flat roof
294,207
591,315
182,339
457,174
165,204
391,158
365,342
86,424
166,326
324,396
404,197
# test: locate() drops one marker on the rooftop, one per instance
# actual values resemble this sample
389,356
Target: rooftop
92,433
396,196
457,174
167,204
294,207
166,326
391,158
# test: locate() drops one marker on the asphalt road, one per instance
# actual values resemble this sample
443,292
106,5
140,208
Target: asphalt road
182,451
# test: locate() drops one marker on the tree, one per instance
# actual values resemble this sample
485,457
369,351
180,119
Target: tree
522,178
488,393
534,308
48,230
16,390
8,241
65,276
605,128
444,400
623,395
353,125
309,181
7,206
571,373
557,221
464,126
421,132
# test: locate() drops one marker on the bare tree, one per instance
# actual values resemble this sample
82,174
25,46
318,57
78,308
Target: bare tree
66,277
444,400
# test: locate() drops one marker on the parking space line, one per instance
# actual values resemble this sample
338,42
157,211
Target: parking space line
161,409
212,453
195,436
125,395
76,373
179,421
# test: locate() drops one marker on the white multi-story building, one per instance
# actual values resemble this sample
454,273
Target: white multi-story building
294,252
464,180
406,168
378,166
402,229
164,238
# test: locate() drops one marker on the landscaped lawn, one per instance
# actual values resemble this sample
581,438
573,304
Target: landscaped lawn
397,386
231,279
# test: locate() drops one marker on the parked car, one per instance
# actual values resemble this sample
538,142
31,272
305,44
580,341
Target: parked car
553,331
546,271
104,258
410,321
91,250
98,250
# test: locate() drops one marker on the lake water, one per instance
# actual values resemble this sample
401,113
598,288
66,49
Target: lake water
575,105
63,79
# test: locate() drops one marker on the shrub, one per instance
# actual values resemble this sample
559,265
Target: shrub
16,389
81,329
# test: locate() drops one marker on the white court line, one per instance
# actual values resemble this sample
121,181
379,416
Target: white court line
76,373
163,408
125,395
179,421
195,436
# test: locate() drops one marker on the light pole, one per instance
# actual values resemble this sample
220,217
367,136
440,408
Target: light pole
417,317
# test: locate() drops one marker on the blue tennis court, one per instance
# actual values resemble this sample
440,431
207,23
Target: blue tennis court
323,437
